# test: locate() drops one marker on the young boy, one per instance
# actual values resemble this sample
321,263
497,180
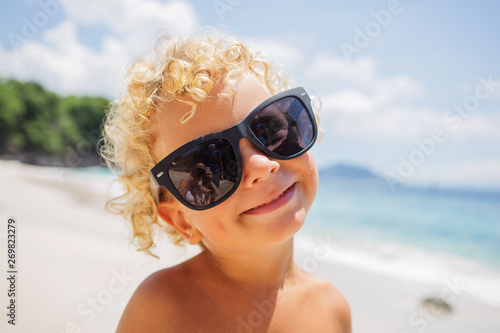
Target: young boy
199,95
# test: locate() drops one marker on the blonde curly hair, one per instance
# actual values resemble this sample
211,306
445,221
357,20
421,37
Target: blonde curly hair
182,69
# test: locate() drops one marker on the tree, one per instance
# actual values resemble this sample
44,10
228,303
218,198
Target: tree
34,120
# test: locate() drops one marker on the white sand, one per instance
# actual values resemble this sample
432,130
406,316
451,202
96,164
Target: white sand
76,270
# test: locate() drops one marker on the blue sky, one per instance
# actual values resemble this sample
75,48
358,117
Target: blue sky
402,82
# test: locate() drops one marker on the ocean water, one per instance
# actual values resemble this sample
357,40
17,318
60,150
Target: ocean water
418,234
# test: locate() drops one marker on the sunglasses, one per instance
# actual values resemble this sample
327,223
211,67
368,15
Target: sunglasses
206,171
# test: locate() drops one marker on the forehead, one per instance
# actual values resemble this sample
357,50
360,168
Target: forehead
225,107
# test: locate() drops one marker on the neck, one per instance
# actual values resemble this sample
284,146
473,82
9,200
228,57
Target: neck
256,269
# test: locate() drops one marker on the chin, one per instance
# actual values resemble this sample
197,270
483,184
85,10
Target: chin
287,227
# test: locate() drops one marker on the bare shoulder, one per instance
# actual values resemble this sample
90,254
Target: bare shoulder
326,299
155,304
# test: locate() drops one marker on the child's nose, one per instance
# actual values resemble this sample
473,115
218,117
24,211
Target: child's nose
257,166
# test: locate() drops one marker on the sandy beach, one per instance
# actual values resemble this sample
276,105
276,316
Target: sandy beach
75,268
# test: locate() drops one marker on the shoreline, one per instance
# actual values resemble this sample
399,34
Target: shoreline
71,251
406,263
68,161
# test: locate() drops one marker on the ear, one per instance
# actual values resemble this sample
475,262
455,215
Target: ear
177,219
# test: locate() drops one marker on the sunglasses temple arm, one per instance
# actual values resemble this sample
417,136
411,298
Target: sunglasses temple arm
154,189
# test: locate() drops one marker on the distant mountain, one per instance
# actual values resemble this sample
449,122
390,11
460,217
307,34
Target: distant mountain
348,171
350,176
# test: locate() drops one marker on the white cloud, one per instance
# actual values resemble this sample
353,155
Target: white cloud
400,88
361,75
125,16
381,117
392,123
348,101
278,51
63,64
135,22
474,174
359,103
361,71
477,126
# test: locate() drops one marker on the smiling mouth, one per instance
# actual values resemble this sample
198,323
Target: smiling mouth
273,200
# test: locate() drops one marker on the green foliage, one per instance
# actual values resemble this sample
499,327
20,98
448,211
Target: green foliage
34,120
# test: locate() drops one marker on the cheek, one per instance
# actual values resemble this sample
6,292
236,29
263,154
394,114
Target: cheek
311,176
209,222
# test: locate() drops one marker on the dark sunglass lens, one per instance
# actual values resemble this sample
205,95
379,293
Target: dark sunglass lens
284,127
205,173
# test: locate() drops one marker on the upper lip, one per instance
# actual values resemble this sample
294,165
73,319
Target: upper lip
275,196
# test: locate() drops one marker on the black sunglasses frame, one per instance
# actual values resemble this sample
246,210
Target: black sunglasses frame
159,176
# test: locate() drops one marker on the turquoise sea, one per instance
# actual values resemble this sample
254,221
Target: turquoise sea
419,234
